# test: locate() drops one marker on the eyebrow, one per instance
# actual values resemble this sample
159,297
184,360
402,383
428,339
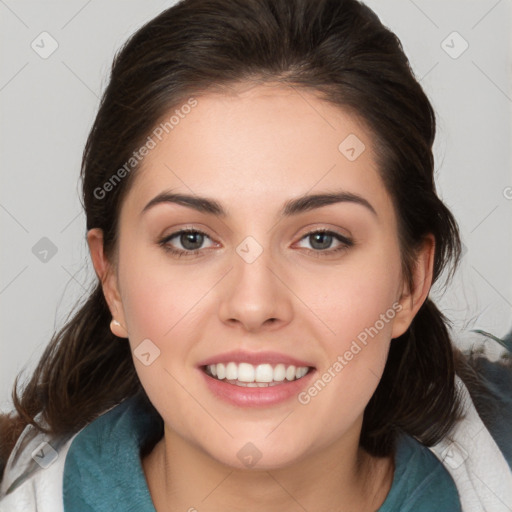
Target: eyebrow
291,207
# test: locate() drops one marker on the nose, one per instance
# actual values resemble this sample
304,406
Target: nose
254,295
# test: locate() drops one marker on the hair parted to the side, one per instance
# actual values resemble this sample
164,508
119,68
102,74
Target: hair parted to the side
338,48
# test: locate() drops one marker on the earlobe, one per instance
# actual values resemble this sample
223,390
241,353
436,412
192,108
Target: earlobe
412,300
108,279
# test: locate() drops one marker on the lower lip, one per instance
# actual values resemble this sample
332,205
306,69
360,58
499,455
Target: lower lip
256,397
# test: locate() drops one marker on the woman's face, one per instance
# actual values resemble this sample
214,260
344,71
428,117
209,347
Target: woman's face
262,285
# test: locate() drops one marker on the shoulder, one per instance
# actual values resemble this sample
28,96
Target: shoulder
471,467
33,475
477,450
490,358
421,483
49,474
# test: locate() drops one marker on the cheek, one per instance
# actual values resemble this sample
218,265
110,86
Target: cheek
165,302
353,295
357,304
158,303
155,293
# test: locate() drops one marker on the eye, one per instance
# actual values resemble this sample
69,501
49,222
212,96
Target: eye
321,242
191,241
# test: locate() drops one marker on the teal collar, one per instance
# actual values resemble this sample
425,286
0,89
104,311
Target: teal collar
103,470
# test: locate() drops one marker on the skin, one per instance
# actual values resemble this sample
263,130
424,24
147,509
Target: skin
252,150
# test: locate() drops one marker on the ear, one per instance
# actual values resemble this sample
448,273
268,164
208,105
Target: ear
411,301
107,276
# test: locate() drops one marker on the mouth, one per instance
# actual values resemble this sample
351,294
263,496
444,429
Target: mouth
256,376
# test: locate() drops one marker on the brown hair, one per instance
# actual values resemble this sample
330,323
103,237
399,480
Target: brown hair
337,48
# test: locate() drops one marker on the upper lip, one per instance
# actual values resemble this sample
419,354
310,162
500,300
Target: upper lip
255,358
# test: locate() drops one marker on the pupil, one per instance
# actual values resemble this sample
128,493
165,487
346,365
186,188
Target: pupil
324,240
195,239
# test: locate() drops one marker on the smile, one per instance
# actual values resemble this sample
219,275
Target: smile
262,385
249,375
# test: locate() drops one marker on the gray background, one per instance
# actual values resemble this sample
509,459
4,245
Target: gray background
48,105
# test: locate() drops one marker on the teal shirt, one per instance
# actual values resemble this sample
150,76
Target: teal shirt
103,469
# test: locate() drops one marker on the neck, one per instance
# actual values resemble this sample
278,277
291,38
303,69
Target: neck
180,476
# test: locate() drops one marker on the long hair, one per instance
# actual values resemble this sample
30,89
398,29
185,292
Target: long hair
337,48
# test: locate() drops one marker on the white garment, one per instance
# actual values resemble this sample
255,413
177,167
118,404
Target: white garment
41,490
476,464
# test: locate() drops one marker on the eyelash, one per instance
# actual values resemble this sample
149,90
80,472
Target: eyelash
346,243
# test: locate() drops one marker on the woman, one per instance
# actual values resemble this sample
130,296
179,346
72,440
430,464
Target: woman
264,225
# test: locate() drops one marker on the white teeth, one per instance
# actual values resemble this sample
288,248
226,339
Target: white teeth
264,373
221,371
256,376
231,371
290,373
279,372
302,371
245,372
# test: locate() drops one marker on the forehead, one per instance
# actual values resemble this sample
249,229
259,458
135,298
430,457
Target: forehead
259,144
